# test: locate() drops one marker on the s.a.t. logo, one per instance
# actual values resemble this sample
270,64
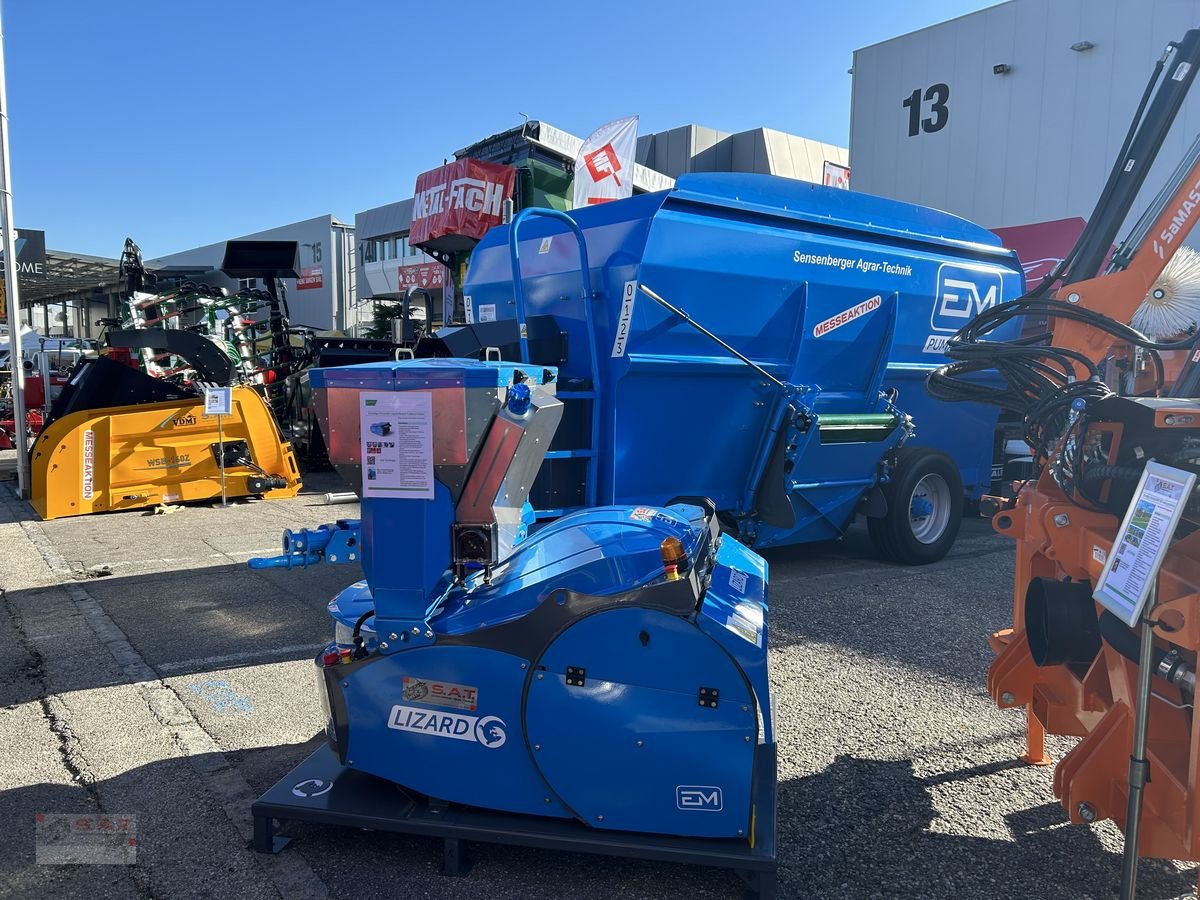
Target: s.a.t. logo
962,294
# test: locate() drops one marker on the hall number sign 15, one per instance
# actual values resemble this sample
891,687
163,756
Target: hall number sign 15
928,109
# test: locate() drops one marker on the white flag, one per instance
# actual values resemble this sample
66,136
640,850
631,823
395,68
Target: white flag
604,166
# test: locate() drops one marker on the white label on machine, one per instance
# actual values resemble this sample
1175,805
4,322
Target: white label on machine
847,315
544,247
936,343
626,319
1143,540
396,431
487,730
487,312
468,309
89,464
218,401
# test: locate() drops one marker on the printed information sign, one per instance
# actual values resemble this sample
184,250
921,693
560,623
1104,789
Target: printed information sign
396,431
1143,540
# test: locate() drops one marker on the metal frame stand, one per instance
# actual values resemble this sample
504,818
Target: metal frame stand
322,791
1139,767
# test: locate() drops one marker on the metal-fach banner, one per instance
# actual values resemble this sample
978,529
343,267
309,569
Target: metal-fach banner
604,166
465,197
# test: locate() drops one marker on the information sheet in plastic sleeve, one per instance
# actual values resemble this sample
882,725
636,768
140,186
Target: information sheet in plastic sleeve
1143,540
397,444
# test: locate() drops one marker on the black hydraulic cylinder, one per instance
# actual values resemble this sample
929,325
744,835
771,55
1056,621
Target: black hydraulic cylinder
1133,166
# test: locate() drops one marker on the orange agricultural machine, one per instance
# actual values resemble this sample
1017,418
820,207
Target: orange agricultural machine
1073,664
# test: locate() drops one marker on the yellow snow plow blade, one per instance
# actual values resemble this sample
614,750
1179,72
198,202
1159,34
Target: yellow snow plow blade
128,457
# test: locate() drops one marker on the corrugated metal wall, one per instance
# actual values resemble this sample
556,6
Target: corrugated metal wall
1030,145
694,148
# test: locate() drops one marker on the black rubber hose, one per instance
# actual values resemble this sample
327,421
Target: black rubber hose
360,649
1118,473
362,621
1121,638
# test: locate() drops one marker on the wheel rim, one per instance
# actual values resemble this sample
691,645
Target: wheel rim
929,508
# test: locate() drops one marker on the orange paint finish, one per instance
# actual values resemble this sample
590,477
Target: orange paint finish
1097,704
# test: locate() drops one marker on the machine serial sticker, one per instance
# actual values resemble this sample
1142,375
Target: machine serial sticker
747,621
441,693
89,464
487,312
848,315
1099,555
625,319
488,730
737,580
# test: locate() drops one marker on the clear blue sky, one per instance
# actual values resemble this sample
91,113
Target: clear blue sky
184,123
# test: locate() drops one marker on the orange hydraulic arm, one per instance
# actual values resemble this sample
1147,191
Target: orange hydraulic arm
1118,294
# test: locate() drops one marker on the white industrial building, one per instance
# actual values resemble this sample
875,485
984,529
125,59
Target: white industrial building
1014,115
695,148
324,297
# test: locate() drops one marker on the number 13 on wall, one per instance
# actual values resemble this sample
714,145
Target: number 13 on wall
937,96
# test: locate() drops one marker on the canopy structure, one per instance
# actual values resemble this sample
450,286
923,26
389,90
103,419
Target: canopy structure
68,273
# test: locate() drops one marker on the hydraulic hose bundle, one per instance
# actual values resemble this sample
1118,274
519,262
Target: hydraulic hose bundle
1051,388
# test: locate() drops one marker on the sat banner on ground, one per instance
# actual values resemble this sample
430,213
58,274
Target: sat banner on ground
464,198
604,166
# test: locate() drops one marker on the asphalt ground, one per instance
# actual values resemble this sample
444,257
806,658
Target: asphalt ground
148,672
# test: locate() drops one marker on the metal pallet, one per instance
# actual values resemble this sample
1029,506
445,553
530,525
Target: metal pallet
322,791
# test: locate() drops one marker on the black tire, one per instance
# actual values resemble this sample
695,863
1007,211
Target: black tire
918,540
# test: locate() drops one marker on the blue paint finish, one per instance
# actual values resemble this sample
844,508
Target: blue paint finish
763,262
598,552
438,750
734,613
416,374
221,696
529,742
637,731
404,573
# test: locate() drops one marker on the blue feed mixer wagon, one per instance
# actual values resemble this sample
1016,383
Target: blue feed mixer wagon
758,341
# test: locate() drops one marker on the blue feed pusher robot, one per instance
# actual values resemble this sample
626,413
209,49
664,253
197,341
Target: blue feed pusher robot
597,684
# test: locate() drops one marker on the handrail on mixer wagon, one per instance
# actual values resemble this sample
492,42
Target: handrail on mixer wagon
587,296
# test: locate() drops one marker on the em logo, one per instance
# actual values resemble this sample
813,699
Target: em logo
962,294
700,797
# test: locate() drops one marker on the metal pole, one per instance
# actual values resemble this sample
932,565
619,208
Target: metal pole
1139,768
16,359
712,337
221,457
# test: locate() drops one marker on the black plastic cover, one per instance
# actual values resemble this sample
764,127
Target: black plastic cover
100,383
547,342
210,361
261,259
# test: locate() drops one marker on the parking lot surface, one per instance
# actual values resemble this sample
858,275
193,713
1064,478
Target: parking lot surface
149,673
